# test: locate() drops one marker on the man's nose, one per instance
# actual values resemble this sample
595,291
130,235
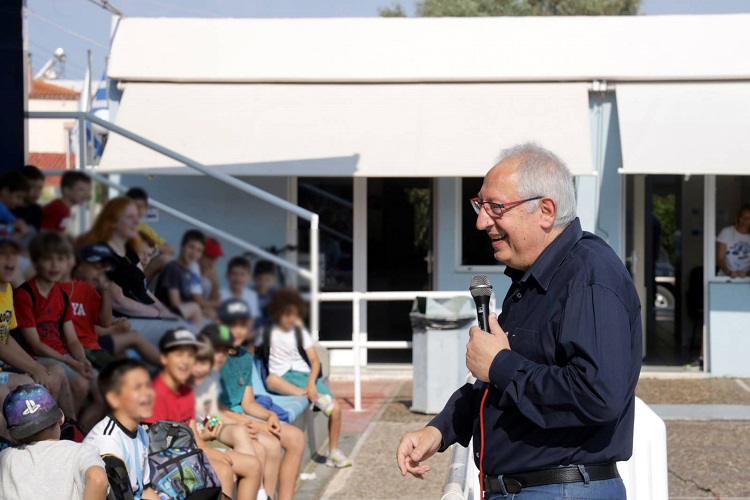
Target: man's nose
484,221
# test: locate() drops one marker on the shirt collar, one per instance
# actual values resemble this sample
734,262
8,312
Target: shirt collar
549,260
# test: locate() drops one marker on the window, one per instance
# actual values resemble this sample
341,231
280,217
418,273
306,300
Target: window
733,225
474,245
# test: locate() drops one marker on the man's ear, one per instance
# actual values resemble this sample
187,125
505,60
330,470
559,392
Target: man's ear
548,211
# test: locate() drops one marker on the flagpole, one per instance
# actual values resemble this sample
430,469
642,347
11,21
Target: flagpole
84,142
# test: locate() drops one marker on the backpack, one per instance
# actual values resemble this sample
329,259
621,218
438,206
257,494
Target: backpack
179,469
265,350
16,333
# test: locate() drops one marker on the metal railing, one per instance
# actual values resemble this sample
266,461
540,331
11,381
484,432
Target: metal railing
356,343
312,274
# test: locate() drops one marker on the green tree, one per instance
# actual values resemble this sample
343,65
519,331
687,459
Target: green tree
481,8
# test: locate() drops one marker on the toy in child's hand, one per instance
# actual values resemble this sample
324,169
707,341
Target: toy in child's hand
211,421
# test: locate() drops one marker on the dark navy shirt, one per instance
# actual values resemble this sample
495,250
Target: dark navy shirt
564,392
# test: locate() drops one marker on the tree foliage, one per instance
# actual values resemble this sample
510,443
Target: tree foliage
482,8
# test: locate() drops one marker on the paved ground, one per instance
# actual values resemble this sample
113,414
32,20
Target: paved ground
706,458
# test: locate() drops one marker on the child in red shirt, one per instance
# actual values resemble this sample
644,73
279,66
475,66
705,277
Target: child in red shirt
75,188
45,319
102,339
175,401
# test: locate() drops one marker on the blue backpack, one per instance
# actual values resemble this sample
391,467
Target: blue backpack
179,469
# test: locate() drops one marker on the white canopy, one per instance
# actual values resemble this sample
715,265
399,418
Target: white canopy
393,130
685,128
489,49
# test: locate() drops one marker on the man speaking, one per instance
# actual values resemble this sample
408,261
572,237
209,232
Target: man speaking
552,409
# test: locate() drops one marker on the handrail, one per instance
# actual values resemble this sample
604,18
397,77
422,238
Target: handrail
314,272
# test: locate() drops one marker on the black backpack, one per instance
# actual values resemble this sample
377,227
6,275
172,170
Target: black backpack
179,469
16,333
265,349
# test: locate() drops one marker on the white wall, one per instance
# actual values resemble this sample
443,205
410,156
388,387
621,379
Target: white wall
49,135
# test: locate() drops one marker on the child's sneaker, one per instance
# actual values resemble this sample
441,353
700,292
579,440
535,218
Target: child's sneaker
324,404
336,458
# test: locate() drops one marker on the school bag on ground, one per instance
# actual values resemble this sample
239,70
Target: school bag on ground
179,469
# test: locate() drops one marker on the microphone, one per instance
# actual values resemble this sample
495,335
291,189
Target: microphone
481,291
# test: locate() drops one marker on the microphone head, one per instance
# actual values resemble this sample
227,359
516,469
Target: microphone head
480,286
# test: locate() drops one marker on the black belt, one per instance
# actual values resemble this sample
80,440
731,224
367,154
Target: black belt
514,483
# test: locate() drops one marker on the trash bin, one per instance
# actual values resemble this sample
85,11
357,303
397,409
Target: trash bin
440,331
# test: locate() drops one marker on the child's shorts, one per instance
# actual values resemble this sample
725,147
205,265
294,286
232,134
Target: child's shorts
300,380
99,358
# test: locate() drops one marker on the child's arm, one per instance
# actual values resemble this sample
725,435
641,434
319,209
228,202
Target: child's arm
76,350
14,355
105,312
311,390
149,494
31,336
253,408
96,483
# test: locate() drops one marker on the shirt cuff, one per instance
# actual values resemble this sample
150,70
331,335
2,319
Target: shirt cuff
444,425
504,368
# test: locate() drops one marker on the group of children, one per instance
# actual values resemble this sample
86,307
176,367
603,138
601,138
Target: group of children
61,364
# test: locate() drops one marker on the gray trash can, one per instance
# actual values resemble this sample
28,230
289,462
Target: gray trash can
440,331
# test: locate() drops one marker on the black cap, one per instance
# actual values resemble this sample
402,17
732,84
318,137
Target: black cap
219,335
97,253
177,338
233,309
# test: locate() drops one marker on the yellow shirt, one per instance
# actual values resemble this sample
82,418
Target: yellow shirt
7,316
148,230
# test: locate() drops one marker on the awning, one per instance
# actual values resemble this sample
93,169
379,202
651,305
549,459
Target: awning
685,128
366,130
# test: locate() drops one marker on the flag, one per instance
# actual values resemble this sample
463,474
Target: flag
100,108
84,104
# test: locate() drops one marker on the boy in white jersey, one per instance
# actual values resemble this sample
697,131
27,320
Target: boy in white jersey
123,444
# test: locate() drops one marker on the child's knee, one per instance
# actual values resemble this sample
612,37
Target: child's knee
79,385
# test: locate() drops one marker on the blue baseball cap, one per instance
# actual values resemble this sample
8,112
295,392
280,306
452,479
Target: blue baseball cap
233,309
30,409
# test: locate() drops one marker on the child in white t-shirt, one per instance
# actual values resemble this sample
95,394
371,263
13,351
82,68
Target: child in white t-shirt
294,367
733,247
239,276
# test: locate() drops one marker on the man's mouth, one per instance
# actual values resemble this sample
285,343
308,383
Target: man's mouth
498,239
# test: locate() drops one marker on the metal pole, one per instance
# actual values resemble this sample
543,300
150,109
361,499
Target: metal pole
356,329
314,278
82,222
207,228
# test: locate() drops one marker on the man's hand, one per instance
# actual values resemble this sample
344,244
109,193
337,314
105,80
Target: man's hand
416,447
42,376
483,347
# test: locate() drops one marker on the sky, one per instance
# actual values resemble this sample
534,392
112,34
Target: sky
79,25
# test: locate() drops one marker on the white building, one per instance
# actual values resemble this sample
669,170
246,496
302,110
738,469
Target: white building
385,127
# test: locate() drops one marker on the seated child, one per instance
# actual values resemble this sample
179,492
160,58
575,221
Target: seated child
163,251
75,189
206,386
30,211
239,277
125,385
207,294
17,360
175,400
14,188
264,278
45,319
174,284
236,366
89,290
294,368
43,466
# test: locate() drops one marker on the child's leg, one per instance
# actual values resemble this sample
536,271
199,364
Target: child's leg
334,426
293,442
249,473
271,448
237,436
223,469
281,386
94,410
124,341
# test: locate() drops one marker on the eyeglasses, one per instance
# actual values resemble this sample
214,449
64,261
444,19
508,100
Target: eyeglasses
498,209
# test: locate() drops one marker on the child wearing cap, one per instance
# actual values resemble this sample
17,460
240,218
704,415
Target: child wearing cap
45,319
236,366
175,400
122,443
293,368
102,338
174,284
43,466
